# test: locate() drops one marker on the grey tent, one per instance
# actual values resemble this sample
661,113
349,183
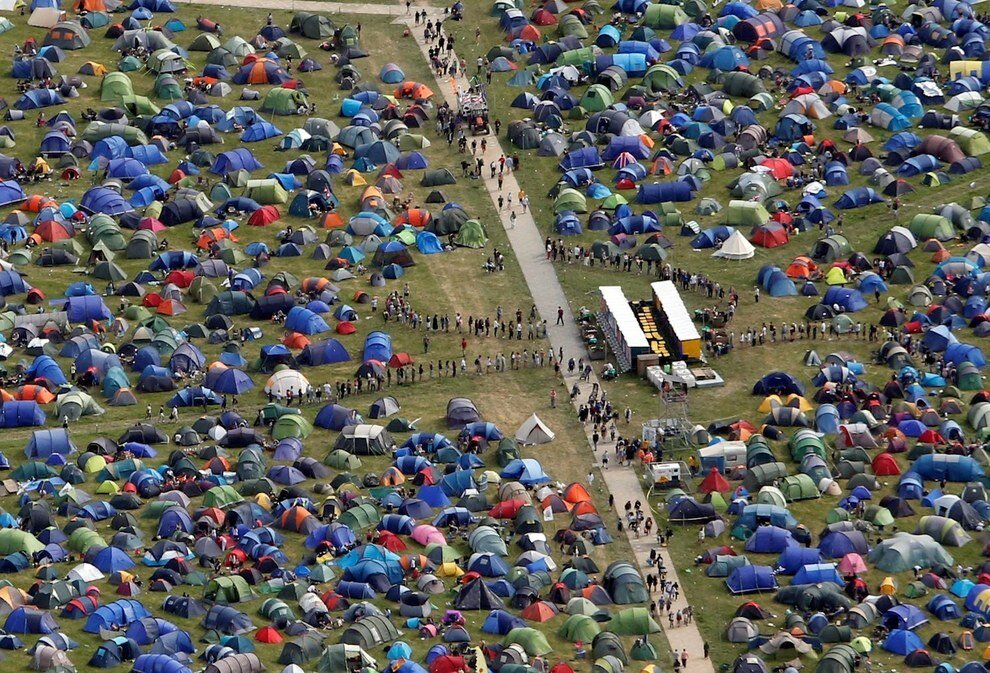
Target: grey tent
904,551
365,440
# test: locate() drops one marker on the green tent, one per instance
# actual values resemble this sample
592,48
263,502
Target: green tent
139,105
282,101
943,529
363,516
643,650
371,631
115,86
342,460
579,628
129,64
413,141
532,641
570,25
661,76
204,42
81,540
201,290
577,57
228,589
798,487
633,622
746,214
971,141
570,199
597,98
664,16
165,60
471,235
437,178
13,540
167,87
221,496
928,225
344,658
292,425
267,191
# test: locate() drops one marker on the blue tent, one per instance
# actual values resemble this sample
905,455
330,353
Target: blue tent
753,515
957,353
488,565
111,560
712,237
500,622
232,381
45,443
857,198
944,607
412,161
325,352
793,559
839,543
567,223
194,397
20,414
918,165
585,157
752,578
11,192
660,192
233,160
30,620
38,98
377,346
11,282
526,471
261,130
770,540
44,367
780,383
818,573
904,616
158,663
304,321
827,419
104,200
948,467
902,641
172,520
847,299
428,243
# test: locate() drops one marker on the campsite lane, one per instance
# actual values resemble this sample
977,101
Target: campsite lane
548,295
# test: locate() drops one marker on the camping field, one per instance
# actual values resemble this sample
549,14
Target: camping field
746,364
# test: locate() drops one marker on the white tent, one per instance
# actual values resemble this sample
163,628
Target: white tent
534,431
85,572
735,247
45,17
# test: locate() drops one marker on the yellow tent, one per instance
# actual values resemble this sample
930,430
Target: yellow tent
835,276
354,178
769,403
888,587
449,569
796,401
108,488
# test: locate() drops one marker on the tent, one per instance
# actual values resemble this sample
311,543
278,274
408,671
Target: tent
534,431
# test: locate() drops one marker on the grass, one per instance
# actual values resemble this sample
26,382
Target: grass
444,284
714,606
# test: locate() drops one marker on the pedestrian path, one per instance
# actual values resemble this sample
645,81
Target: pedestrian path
548,295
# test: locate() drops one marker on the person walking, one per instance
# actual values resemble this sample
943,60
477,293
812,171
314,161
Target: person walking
560,315
512,220
553,398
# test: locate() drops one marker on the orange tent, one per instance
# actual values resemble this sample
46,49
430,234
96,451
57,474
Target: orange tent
295,340
413,90
417,217
39,394
314,284
5,396
52,231
36,202
540,611
584,507
802,268
331,220
81,6
576,493
400,360
171,307
392,477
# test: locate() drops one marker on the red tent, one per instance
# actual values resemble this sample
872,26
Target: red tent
269,635
400,360
264,216
714,482
346,328
884,465
770,235
448,663
780,169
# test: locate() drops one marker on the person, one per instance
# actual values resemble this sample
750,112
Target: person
512,220
591,478
553,398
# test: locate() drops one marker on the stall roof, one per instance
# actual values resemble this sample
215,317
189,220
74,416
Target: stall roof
669,301
617,304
